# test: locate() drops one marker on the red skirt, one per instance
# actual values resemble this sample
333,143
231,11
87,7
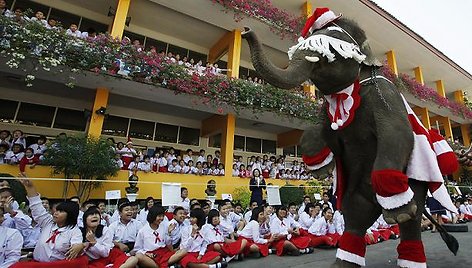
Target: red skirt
154,167
376,236
230,249
303,232
162,256
395,229
316,241
116,257
385,234
191,257
126,161
301,242
265,174
263,248
79,262
163,169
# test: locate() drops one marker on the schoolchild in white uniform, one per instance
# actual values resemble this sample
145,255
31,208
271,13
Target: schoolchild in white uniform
251,232
18,138
10,244
133,166
177,223
153,242
142,215
308,216
124,230
226,222
60,242
13,217
196,246
248,214
192,168
146,165
323,231
40,146
99,245
15,155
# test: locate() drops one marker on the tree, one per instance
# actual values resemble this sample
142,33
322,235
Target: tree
90,160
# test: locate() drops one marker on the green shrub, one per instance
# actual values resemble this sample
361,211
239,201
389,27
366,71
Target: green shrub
291,193
242,195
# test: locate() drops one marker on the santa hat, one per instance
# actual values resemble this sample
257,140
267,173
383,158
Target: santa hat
447,159
320,18
129,141
319,160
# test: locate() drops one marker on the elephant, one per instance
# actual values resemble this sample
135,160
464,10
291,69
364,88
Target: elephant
373,141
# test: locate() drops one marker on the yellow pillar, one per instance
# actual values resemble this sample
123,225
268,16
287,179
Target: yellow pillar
440,88
392,61
120,18
234,54
459,96
465,131
310,89
423,113
227,143
306,9
445,120
419,75
96,120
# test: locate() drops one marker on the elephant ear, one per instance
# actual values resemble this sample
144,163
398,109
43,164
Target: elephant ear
370,60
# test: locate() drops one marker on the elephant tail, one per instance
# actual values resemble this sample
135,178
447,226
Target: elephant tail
450,240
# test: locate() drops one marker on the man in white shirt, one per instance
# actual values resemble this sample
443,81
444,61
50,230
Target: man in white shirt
126,229
178,223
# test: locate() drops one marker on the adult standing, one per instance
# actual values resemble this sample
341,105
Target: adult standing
256,185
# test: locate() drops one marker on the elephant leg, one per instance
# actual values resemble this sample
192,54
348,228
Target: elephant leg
410,250
359,214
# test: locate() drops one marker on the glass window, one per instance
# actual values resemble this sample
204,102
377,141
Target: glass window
70,119
239,142
141,129
178,50
166,133
289,151
299,152
189,136
97,26
34,7
269,146
197,56
215,141
222,64
243,72
159,45
253,145
253,74
36,115
64,18
115,125
134,36
7,110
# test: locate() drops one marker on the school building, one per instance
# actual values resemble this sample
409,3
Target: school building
203,30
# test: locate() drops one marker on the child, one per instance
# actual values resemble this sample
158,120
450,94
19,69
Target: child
175,226
214,170
216,160
11,242
191,168
148,204
199,168
155,162
39,17
118,161
308,217
188,156
14,156
323,231
40,146
196,246
124,230
174,167
256,243
163,162
28,159
274,172
145,165
73,31
152,242
235,170
221,169
184,169
133,166
201,156
242,171
205,168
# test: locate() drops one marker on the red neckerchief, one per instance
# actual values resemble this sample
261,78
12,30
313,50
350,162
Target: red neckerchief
216,230
343,105
156,234
53,237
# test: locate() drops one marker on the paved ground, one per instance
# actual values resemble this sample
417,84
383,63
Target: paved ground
382,255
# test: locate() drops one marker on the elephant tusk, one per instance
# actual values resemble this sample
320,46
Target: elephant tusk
312,59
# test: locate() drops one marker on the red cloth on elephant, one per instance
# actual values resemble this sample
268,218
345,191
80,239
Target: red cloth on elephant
162,256
316,241
230,249
192,257
116,257
79,262
411,251
263,248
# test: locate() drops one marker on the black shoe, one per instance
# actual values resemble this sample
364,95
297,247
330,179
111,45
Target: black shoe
309,250
240,257
224,264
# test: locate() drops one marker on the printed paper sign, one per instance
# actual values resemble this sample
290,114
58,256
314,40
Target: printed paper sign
317,197
273,195
227,196
170,194
111,195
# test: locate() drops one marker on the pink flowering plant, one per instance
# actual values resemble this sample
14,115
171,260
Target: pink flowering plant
407,83
30,47
280,21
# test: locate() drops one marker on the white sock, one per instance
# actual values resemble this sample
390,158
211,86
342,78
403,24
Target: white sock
303,251
271,251
217,265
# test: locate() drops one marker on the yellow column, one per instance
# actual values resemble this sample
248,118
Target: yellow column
96,120
306,9
419,75
440,88
459,97
310,89
120,18
423,113
392,61
234,54
446,122
227,143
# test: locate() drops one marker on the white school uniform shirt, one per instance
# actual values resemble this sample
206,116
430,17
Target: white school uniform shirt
143,166
150,240
77,33
38,149
162,162
222,172
14,158
142,215
235,218
252,231
119,163
11,242
301,209
280,227
247,216
187,158
193,170
169,159
212,234
43,22
185,169
19,222
463,209
226,225
115,216
305,220
125,233
321,227
176,169
201,159
195,243
235,173
30,236
176,234
215,172
47,248
102,247
339,224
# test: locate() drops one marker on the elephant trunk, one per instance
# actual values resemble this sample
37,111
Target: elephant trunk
297,72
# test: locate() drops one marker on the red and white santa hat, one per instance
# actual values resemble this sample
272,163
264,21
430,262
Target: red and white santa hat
320,18
129,141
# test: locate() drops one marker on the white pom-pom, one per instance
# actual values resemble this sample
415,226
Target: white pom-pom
334,126
339,122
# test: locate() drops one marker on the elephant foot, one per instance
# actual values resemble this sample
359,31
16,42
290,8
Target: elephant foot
343,264
401,214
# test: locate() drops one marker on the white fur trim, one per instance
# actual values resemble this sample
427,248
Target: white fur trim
397,200
322,44
443,197
350,257
326,161
323,19
410,264
441,147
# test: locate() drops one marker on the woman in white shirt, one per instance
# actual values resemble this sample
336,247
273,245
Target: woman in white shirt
251,232
307,217
60,242
323,231
196,246
99,245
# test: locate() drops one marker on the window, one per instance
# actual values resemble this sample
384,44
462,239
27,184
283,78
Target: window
178,50
253,74
159,45
197,56
7,110
64,18
243,72
115,125
268,146
99,27
299,152
222,64
134,36
289,151
166,133
189,136
141,129
239,142
215,141
253,145
36,115
70,119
